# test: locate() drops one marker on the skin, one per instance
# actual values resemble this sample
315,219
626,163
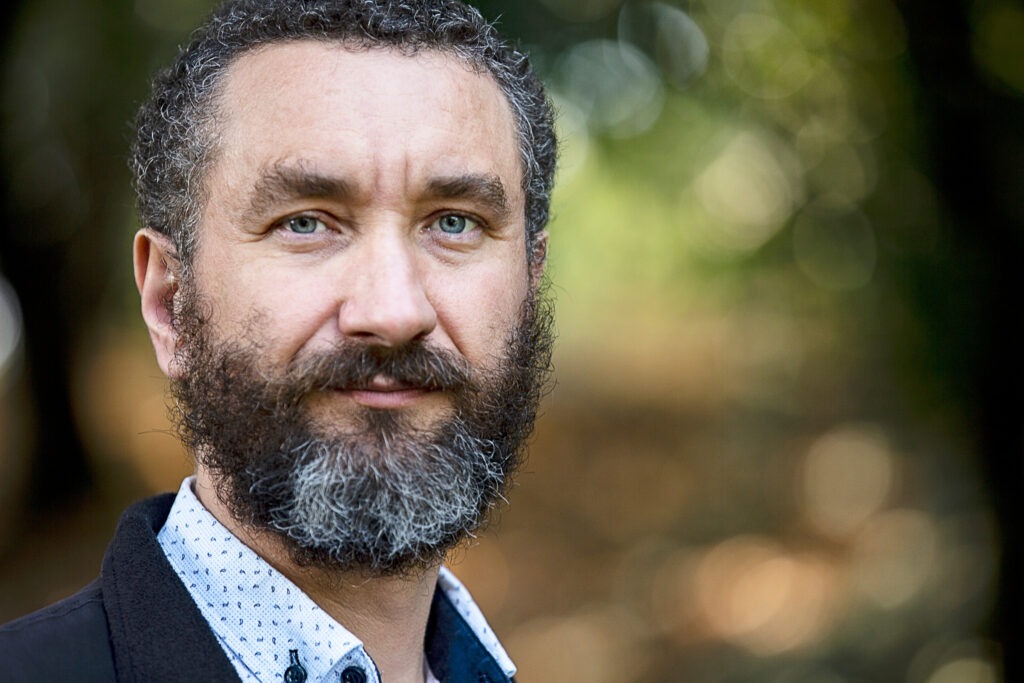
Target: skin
374,151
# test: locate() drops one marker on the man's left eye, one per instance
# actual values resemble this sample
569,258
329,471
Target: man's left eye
305,225
454,224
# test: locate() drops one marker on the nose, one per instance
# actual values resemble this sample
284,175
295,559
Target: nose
388,302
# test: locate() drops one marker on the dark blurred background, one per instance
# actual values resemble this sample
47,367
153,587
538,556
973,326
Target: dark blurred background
785,443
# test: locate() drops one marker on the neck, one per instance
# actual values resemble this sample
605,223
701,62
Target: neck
388,614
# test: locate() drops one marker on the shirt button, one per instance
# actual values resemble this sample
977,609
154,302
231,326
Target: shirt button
353,674
295,673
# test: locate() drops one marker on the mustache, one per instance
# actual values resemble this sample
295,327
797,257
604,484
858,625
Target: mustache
352,364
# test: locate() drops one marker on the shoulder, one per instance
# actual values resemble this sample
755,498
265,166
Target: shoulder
68,639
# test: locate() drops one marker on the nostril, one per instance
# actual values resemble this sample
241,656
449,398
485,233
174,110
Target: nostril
388,325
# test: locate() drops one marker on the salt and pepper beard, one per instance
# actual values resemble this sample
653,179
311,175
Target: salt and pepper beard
379,497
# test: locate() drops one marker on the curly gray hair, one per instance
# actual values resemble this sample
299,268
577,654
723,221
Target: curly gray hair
177,127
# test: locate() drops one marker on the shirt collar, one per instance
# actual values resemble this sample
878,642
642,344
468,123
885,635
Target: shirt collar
259,616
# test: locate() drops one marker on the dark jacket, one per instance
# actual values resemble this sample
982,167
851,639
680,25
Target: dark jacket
137,622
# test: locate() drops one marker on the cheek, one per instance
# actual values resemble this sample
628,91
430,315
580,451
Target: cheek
282,311
480,310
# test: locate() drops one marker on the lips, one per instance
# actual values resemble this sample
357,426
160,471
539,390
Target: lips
386,392
382,383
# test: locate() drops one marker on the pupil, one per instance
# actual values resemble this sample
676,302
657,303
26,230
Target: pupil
303,224
453,223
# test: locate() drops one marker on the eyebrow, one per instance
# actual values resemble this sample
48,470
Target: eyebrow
485,189
283,182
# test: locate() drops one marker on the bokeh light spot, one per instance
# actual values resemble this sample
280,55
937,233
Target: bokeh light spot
10,329
671,591
678,43
834,244
996,42
894,556
844,170
764,57
615,85
747,193
847,475
573,139
966,670
597,645
753,593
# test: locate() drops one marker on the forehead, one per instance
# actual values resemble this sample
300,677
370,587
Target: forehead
384,119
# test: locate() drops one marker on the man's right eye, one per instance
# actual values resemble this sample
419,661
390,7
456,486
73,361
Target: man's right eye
305,225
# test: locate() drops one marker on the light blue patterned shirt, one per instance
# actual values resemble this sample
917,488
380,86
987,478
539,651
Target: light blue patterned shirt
262,620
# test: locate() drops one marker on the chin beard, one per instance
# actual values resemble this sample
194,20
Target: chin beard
380,497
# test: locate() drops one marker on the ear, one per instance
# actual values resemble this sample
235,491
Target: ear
539,257
156,275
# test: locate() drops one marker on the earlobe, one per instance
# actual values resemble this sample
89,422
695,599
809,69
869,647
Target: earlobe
538,256
156,276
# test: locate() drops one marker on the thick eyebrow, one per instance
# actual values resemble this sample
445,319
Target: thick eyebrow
281,183
484,189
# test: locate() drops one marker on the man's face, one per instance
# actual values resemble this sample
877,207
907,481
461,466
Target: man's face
360,350
367,196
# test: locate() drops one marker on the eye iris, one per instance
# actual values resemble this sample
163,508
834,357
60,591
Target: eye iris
453,224
303,224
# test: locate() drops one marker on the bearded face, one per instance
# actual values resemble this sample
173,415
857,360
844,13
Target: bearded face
379,491
356,347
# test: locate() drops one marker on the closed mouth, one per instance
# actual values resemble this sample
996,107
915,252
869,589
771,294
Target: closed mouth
385,392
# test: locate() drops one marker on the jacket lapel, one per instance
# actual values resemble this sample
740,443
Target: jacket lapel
156,631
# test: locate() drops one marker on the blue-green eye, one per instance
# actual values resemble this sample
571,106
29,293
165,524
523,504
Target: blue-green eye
454,224
305,225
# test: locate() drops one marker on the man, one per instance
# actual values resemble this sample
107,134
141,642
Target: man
344,204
